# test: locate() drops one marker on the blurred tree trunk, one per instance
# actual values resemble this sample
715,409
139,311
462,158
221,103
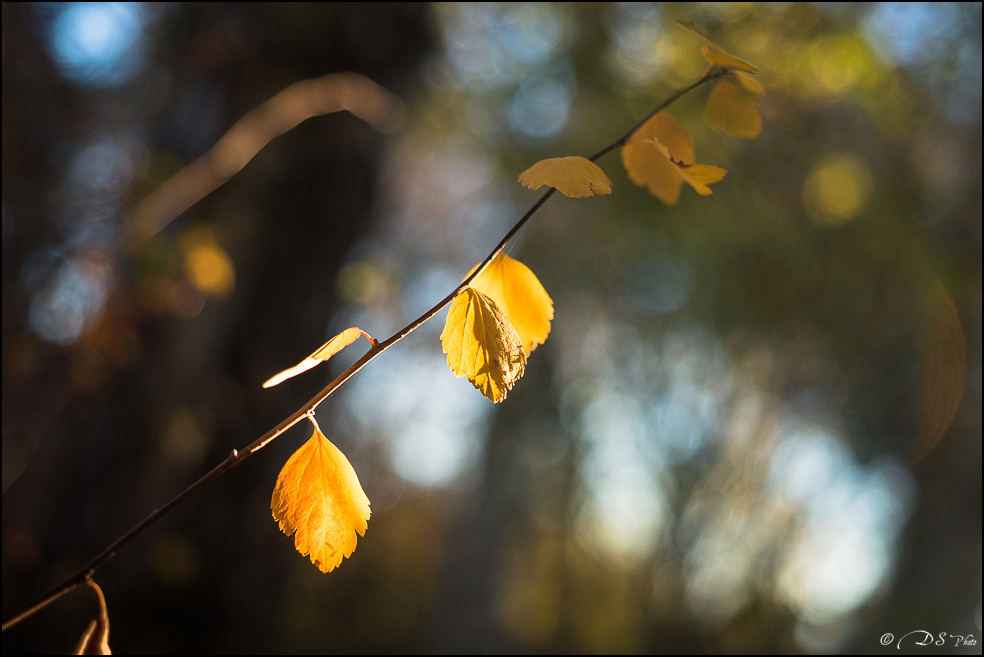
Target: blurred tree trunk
105,455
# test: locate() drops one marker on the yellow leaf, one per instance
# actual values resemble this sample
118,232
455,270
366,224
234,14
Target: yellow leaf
519,294
660,157
715,54
699,176
319,500
95,638
732,110
720,58
339,342
667,131
326,351
750,83
482,344
573,176
648,165
690,27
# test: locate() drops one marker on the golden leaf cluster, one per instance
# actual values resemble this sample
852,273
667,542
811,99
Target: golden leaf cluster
495,323
732,108
660,157
498,319
318,499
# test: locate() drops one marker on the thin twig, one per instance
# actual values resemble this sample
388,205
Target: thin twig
237,457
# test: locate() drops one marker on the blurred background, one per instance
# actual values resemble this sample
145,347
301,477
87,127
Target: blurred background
756,424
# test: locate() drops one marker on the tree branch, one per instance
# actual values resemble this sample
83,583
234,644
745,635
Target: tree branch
237,457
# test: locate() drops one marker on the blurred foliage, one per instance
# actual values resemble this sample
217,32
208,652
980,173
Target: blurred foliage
713,452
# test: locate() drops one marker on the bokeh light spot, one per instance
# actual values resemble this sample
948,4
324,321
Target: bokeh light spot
210,269
540,110
72,302
837,189
361,282
839,63
98,43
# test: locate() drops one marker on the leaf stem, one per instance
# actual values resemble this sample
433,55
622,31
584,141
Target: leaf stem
236,457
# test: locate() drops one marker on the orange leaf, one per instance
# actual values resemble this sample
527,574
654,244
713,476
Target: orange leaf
326,351
518,292
733,111
576,177
482,344
319,500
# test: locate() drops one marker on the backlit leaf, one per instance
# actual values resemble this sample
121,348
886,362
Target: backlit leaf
319,500
337,343
576,177
519,294
482,344
660,157
733,110
326,351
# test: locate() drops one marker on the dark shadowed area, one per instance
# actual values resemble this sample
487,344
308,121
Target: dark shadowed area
755,426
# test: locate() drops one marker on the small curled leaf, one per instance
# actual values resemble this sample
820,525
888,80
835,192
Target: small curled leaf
326,351
95,638
573,176
699,176
482,344
318,499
